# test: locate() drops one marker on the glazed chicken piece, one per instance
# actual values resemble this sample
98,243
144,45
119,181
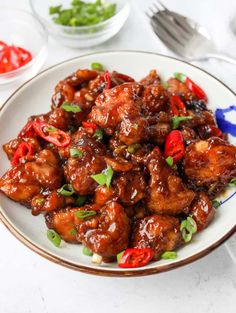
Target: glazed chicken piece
130,187
167,193
133,130
46,170
107,233
202,211
50,201
158,232
210,163
103,194
65,89
178,88
151,79
154,99
113,105
59,118
24,181
78,170
19,185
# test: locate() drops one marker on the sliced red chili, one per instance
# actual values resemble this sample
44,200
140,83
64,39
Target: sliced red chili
174,145
27,131
107,78
200,94
2,45
51,134
135,257
123,77
23,150
89,125
24,55
177,106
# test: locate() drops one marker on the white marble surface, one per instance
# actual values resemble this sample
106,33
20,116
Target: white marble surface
29,283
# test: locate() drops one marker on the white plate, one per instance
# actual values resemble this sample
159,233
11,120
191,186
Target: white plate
34,97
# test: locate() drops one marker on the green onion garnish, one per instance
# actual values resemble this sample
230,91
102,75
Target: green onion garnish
188,227
39,200
135,126
68,107
73,231
98,134
165,85
97,66
169,255
104,178
215,203
50,129
76,153
54,237
181,77
133,148
232,183
66,190
119,256
176,120
170,161
87,251
80,200
84,213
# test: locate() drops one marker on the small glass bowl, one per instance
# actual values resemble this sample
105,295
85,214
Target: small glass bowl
22,29
81,36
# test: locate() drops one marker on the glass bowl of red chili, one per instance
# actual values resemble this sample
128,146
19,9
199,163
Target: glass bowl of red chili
23,45
90,33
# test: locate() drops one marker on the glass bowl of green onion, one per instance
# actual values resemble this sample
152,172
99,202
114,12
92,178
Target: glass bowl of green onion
81,24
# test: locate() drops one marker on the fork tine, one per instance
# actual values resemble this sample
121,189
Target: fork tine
183,23
172,27
166,38
169,27
155,4
161,5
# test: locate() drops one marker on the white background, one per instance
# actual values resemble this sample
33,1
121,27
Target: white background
29,283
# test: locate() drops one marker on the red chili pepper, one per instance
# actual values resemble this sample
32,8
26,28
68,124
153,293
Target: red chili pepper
200,94
51,134
123,77
27,131
89,125
134,257
174,146
177,106
23,150
107,78
12,57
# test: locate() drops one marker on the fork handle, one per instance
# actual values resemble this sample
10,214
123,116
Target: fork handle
222,57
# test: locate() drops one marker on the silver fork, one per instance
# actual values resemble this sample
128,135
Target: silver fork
183,36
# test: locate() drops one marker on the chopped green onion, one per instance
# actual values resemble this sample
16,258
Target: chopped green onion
165,85
188,227
133,148
169,255
97,66
170,161
119,256
54,10
50,129
71,108
181,77
66,190
104,178
54,237
232,183
176,120
76,153
39,200
87,251
80,200
215,203
98,134
84,213
135,126
73,231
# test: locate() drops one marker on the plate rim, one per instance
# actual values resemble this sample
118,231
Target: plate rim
110,272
